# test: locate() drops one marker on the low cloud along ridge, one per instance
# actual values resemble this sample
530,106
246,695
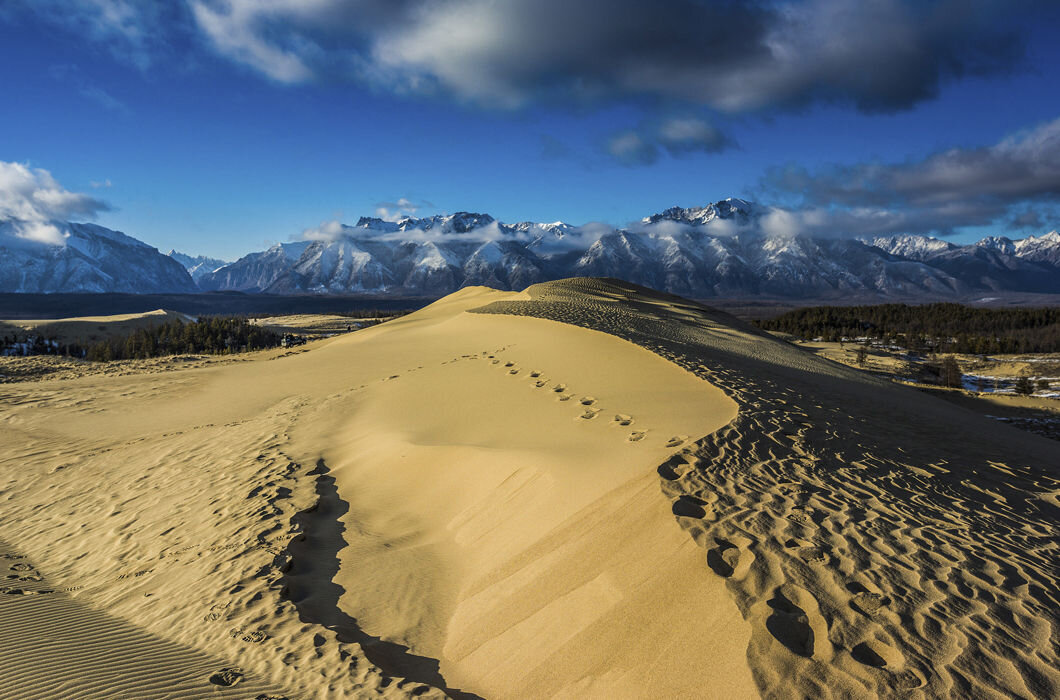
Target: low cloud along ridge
34,201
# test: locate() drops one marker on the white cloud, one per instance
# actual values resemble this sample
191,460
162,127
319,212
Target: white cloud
238,34
400,209
687,134
326,231
630,148
41,232
32,194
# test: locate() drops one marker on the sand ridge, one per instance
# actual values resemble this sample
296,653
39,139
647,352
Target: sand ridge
878,542
390,513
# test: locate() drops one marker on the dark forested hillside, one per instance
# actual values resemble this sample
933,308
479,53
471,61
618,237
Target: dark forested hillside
940,327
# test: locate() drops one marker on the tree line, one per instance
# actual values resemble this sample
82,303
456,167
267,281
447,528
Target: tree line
208,335
941,327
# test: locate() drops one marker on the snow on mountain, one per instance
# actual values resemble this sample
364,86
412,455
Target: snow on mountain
438,254
714,250
254,272
1042,249
996,263
198,265
730,208
89,258
460,222
910,246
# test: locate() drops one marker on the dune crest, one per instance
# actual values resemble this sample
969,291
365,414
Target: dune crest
448,503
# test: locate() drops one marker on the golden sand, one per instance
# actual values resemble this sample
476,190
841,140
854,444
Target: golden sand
582,490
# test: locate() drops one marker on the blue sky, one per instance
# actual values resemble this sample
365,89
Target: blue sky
213,127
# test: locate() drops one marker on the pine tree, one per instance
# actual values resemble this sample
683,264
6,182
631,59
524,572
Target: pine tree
951,372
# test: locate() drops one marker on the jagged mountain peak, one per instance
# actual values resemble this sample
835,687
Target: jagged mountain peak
197,265
460,222
729,208
912,246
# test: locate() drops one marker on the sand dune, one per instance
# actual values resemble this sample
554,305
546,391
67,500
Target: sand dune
90,329
582,490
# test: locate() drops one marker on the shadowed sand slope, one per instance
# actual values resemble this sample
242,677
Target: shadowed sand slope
879,542
450,503
53,647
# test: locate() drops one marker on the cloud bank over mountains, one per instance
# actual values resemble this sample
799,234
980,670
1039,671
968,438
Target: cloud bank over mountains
731,56
1016,180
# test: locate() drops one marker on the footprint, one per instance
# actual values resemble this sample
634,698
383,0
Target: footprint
566,397
21,567
731,558
813,555
676,441
636,436
876,653
513,371
690,507
540,383
588,401
227,676
31,576
559,388
674,468
869,603
795,543
495,362
908,679
590,413
797,623
622,419
534,374
509,364
24,591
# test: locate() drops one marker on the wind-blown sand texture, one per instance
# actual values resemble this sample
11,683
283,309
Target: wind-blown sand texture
493,497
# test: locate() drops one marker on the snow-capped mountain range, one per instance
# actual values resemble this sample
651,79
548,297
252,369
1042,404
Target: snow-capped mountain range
715,250
90,259
198,265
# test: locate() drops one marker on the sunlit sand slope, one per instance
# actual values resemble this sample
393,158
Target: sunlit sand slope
452,502
878,541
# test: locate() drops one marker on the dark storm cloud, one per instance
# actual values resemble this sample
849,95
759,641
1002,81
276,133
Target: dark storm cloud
877,55
946,190
1027,220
